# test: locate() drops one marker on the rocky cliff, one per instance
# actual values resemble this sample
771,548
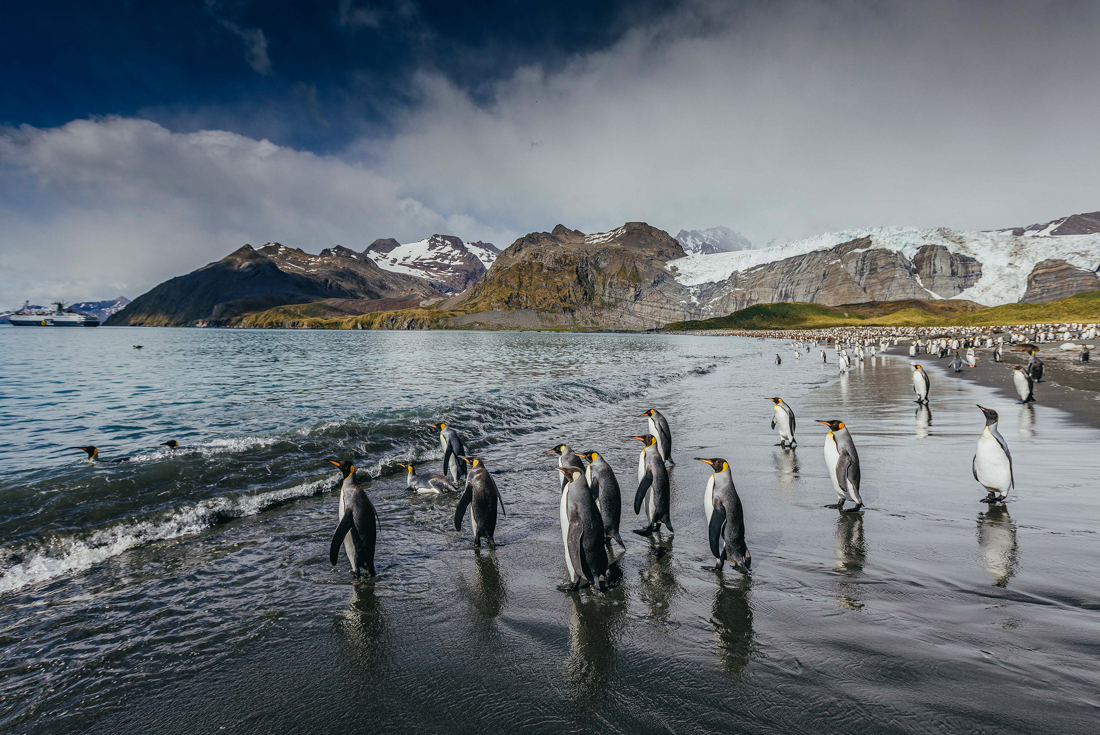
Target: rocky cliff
451,265
1055,279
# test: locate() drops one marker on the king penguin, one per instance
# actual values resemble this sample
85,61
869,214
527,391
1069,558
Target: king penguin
605,487
482,496
453,448
725,518
1035,367
582,532
921,384
427,482
658,427
357,529
566,458
992,463
93,455
842,462
782,421
653,490
1025,386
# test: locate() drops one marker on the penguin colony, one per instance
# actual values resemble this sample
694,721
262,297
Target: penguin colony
590,507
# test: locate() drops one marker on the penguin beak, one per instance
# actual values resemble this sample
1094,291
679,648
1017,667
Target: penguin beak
333,461
551,451
466,460
705,460
639,438
434,426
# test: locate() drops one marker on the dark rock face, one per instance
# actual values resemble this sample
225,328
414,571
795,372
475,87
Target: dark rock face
1053,279
616,280
101,310
382,246
250,280
1075,224
945,273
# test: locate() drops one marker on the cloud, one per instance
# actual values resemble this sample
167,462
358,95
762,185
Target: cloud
349,15
780,120
98,208
255,42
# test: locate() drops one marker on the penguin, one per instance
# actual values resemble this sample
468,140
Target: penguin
1035,367
482,496
997,353
658,427
453,448
956,363
93,456
582,533
172,444
1025,386
427,482
842,462
653,490
823,358
783,417
566,458
992,465
921,384
357,529
725,518
605,488
778,359
971,359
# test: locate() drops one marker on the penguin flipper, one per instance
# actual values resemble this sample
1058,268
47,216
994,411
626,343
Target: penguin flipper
717,523
576,553
338,538
773,422
463,504
847,473
643,488
448,454
974,467
790,417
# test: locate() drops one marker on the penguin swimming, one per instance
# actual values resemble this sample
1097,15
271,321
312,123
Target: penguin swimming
783,419
653,490
566,458
453,448
605,487
171,444
921,384
582,533
482,496
427,482
658,427
992,465
842,462
725,518
357,529
1025,386
93,455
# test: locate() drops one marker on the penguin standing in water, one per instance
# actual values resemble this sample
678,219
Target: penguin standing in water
605,487
842,462
823,358
783,421
725,518
921,384
653,490
778,359
1035,367
482,496
658,427
992,465
582,532
566,458
427,482
357,529
453,448
1025,386
93,455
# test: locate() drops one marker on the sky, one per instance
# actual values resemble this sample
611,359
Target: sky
139,141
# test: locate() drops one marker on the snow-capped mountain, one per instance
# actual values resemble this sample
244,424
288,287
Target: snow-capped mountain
987,267
713,240
101,309
442,259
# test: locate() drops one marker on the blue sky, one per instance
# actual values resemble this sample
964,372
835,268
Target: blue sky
141,140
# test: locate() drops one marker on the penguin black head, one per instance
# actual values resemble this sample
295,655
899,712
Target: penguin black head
833,424
408,467
589,455
347,468
916,368
719,464
571,473
439,427
648,413
560,449
92,451
647,439
990,415
473,461
776,401
171,444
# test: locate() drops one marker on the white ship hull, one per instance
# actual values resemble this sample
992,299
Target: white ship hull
58,317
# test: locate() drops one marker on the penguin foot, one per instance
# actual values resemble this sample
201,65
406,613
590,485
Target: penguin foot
856,509
835,506
712,567
567,587
647,531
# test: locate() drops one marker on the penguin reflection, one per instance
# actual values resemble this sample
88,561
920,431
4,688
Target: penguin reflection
731,616
487,594
1026,420
924,420
658,580
849,551
997,542
363,623
594,624
786,473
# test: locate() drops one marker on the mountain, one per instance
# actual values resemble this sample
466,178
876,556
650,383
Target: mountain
1075,224
450,264
616,280
250,280
714,240
100,309
891,264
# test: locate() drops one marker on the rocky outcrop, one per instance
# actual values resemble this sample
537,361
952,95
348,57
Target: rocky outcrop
615,280
101,310
945,273
250,280
451,265
1076,224
1053,279
712,240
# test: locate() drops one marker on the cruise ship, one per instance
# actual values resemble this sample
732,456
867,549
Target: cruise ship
59,316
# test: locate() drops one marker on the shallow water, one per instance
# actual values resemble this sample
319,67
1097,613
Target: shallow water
191,591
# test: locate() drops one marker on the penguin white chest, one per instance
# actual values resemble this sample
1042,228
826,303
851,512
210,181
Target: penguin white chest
708,499
991,464
349,544
563,515
783,424
918,384
832,456
1020,380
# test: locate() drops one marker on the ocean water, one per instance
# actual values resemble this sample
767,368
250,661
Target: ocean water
190,591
